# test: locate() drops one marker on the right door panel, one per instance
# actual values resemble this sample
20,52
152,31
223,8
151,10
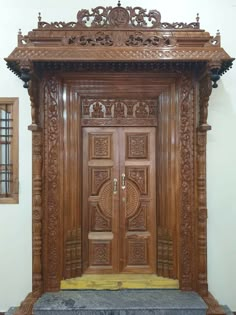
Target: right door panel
138,200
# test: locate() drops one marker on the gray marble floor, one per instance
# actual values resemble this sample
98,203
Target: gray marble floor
122,302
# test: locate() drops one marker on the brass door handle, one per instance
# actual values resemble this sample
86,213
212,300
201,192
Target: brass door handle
123,181
114,186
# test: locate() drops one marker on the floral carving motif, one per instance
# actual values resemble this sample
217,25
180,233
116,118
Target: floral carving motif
101,147
101,254
140,177
37,210
187,174
52,181
137,252
118,17
137,146
139,39
202,212
99,177
97,39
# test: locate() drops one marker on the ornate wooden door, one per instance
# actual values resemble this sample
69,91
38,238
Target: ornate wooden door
119,206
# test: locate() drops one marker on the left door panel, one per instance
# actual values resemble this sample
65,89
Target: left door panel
100,200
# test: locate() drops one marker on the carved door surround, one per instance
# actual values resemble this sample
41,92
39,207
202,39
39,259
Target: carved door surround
119,49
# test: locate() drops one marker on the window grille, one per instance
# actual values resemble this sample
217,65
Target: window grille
8,150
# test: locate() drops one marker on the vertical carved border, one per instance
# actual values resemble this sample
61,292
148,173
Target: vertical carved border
205,89
52,252
187,182
37,209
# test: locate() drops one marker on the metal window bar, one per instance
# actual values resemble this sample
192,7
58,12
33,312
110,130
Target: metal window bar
6,167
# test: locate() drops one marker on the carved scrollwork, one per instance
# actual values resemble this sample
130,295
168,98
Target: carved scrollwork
118,17
139,39
187,186
97,39
52,179
136,39
180,25
140,18
97,17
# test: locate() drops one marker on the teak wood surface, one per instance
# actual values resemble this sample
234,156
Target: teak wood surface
119,120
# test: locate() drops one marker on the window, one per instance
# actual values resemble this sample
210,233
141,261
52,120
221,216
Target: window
8,150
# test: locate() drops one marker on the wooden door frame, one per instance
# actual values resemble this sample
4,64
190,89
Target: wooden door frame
177,99
111,44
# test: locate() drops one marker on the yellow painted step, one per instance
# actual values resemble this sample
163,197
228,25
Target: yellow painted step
119,281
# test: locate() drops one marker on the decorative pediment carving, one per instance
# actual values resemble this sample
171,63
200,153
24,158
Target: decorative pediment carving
117,34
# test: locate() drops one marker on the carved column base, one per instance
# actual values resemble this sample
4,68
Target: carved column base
214,307
26,307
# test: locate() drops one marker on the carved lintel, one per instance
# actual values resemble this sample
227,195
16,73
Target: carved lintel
26,307
213,306
25,71
204,94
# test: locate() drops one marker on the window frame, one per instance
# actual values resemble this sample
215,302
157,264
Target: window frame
14,196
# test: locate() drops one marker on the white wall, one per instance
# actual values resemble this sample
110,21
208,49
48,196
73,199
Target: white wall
15,220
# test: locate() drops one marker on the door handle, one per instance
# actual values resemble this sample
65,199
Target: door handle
114,186
123,181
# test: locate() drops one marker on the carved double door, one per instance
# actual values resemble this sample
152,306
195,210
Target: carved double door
119,200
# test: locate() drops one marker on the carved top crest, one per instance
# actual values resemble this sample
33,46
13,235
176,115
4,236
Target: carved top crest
119,17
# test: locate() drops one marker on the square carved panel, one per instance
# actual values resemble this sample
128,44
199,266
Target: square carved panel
100,146
137,252
137,146
100,253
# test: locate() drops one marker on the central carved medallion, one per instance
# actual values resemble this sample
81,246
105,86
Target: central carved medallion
118,17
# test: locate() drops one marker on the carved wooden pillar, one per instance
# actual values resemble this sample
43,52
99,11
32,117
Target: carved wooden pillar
37,208
205,88
37,285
